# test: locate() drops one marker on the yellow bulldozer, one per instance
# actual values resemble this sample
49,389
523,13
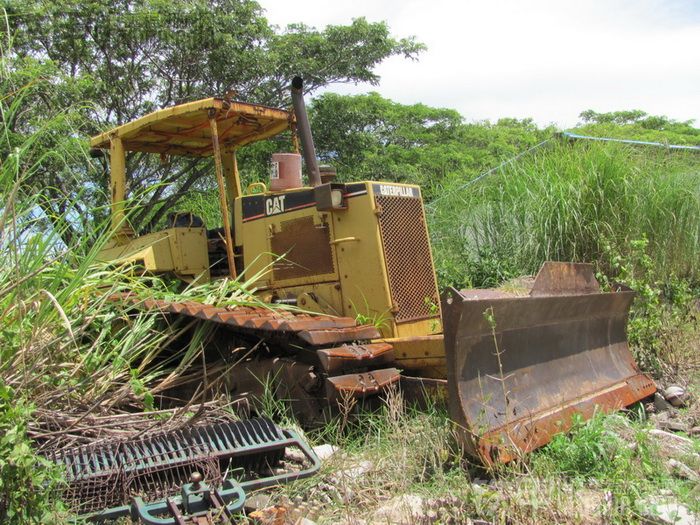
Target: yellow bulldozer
515,366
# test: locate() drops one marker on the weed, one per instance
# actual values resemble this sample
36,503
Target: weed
370,317
269,403
613,455
25,478
663,310
566,203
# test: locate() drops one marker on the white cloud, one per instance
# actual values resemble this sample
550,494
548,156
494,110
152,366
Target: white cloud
545,59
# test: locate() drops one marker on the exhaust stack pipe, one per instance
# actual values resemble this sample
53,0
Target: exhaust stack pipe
307,141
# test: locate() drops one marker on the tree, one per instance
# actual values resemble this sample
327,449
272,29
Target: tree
129,57
615,117
36,121
371,137
639,125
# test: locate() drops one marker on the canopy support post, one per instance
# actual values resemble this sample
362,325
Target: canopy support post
222,193
233,182
117,176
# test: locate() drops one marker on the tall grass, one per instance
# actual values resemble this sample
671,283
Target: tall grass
66,345
61,341
577,202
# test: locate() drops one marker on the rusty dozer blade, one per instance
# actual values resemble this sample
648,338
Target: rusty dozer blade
519,367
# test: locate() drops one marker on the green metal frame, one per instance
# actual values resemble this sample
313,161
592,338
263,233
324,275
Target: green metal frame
199,498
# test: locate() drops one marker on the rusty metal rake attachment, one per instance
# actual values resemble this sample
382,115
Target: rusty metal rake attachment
141,477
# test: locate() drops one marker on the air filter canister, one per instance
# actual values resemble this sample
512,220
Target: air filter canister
285,171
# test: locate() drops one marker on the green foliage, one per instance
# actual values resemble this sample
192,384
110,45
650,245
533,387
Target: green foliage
47,140
568,202
591,450
204,204
140,391
131,57
613,454
66,345
368,137
26,480
185,50
661,305
53,296
638,125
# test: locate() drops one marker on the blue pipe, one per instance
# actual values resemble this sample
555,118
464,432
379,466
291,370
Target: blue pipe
574,136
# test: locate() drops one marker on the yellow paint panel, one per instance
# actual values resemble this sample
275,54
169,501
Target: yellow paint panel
361,264
178,250
421,355
258,255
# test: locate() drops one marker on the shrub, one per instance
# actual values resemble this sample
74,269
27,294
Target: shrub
569,202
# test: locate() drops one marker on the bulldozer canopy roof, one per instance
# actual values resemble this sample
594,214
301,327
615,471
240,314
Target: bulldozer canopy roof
185,130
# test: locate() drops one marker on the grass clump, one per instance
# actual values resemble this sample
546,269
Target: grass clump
68,348
593,450
394,450
618,458
568,202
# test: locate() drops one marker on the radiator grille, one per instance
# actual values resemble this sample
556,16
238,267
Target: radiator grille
408,261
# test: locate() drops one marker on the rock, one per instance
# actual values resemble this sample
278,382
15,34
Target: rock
354,472
325,451
479,489
661,404
258,500
675,446
300,511
695,492
682,470
676,395
695,431
590,501
667,421
667,513
406,509
668,439
295,455
274,515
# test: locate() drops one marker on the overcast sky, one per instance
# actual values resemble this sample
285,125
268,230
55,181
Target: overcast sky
548,60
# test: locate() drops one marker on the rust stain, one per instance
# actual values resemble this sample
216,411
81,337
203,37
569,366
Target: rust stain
519,367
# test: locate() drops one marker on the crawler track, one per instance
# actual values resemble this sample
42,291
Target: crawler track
320,360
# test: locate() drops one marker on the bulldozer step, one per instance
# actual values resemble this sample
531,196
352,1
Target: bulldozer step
361,385
342,359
